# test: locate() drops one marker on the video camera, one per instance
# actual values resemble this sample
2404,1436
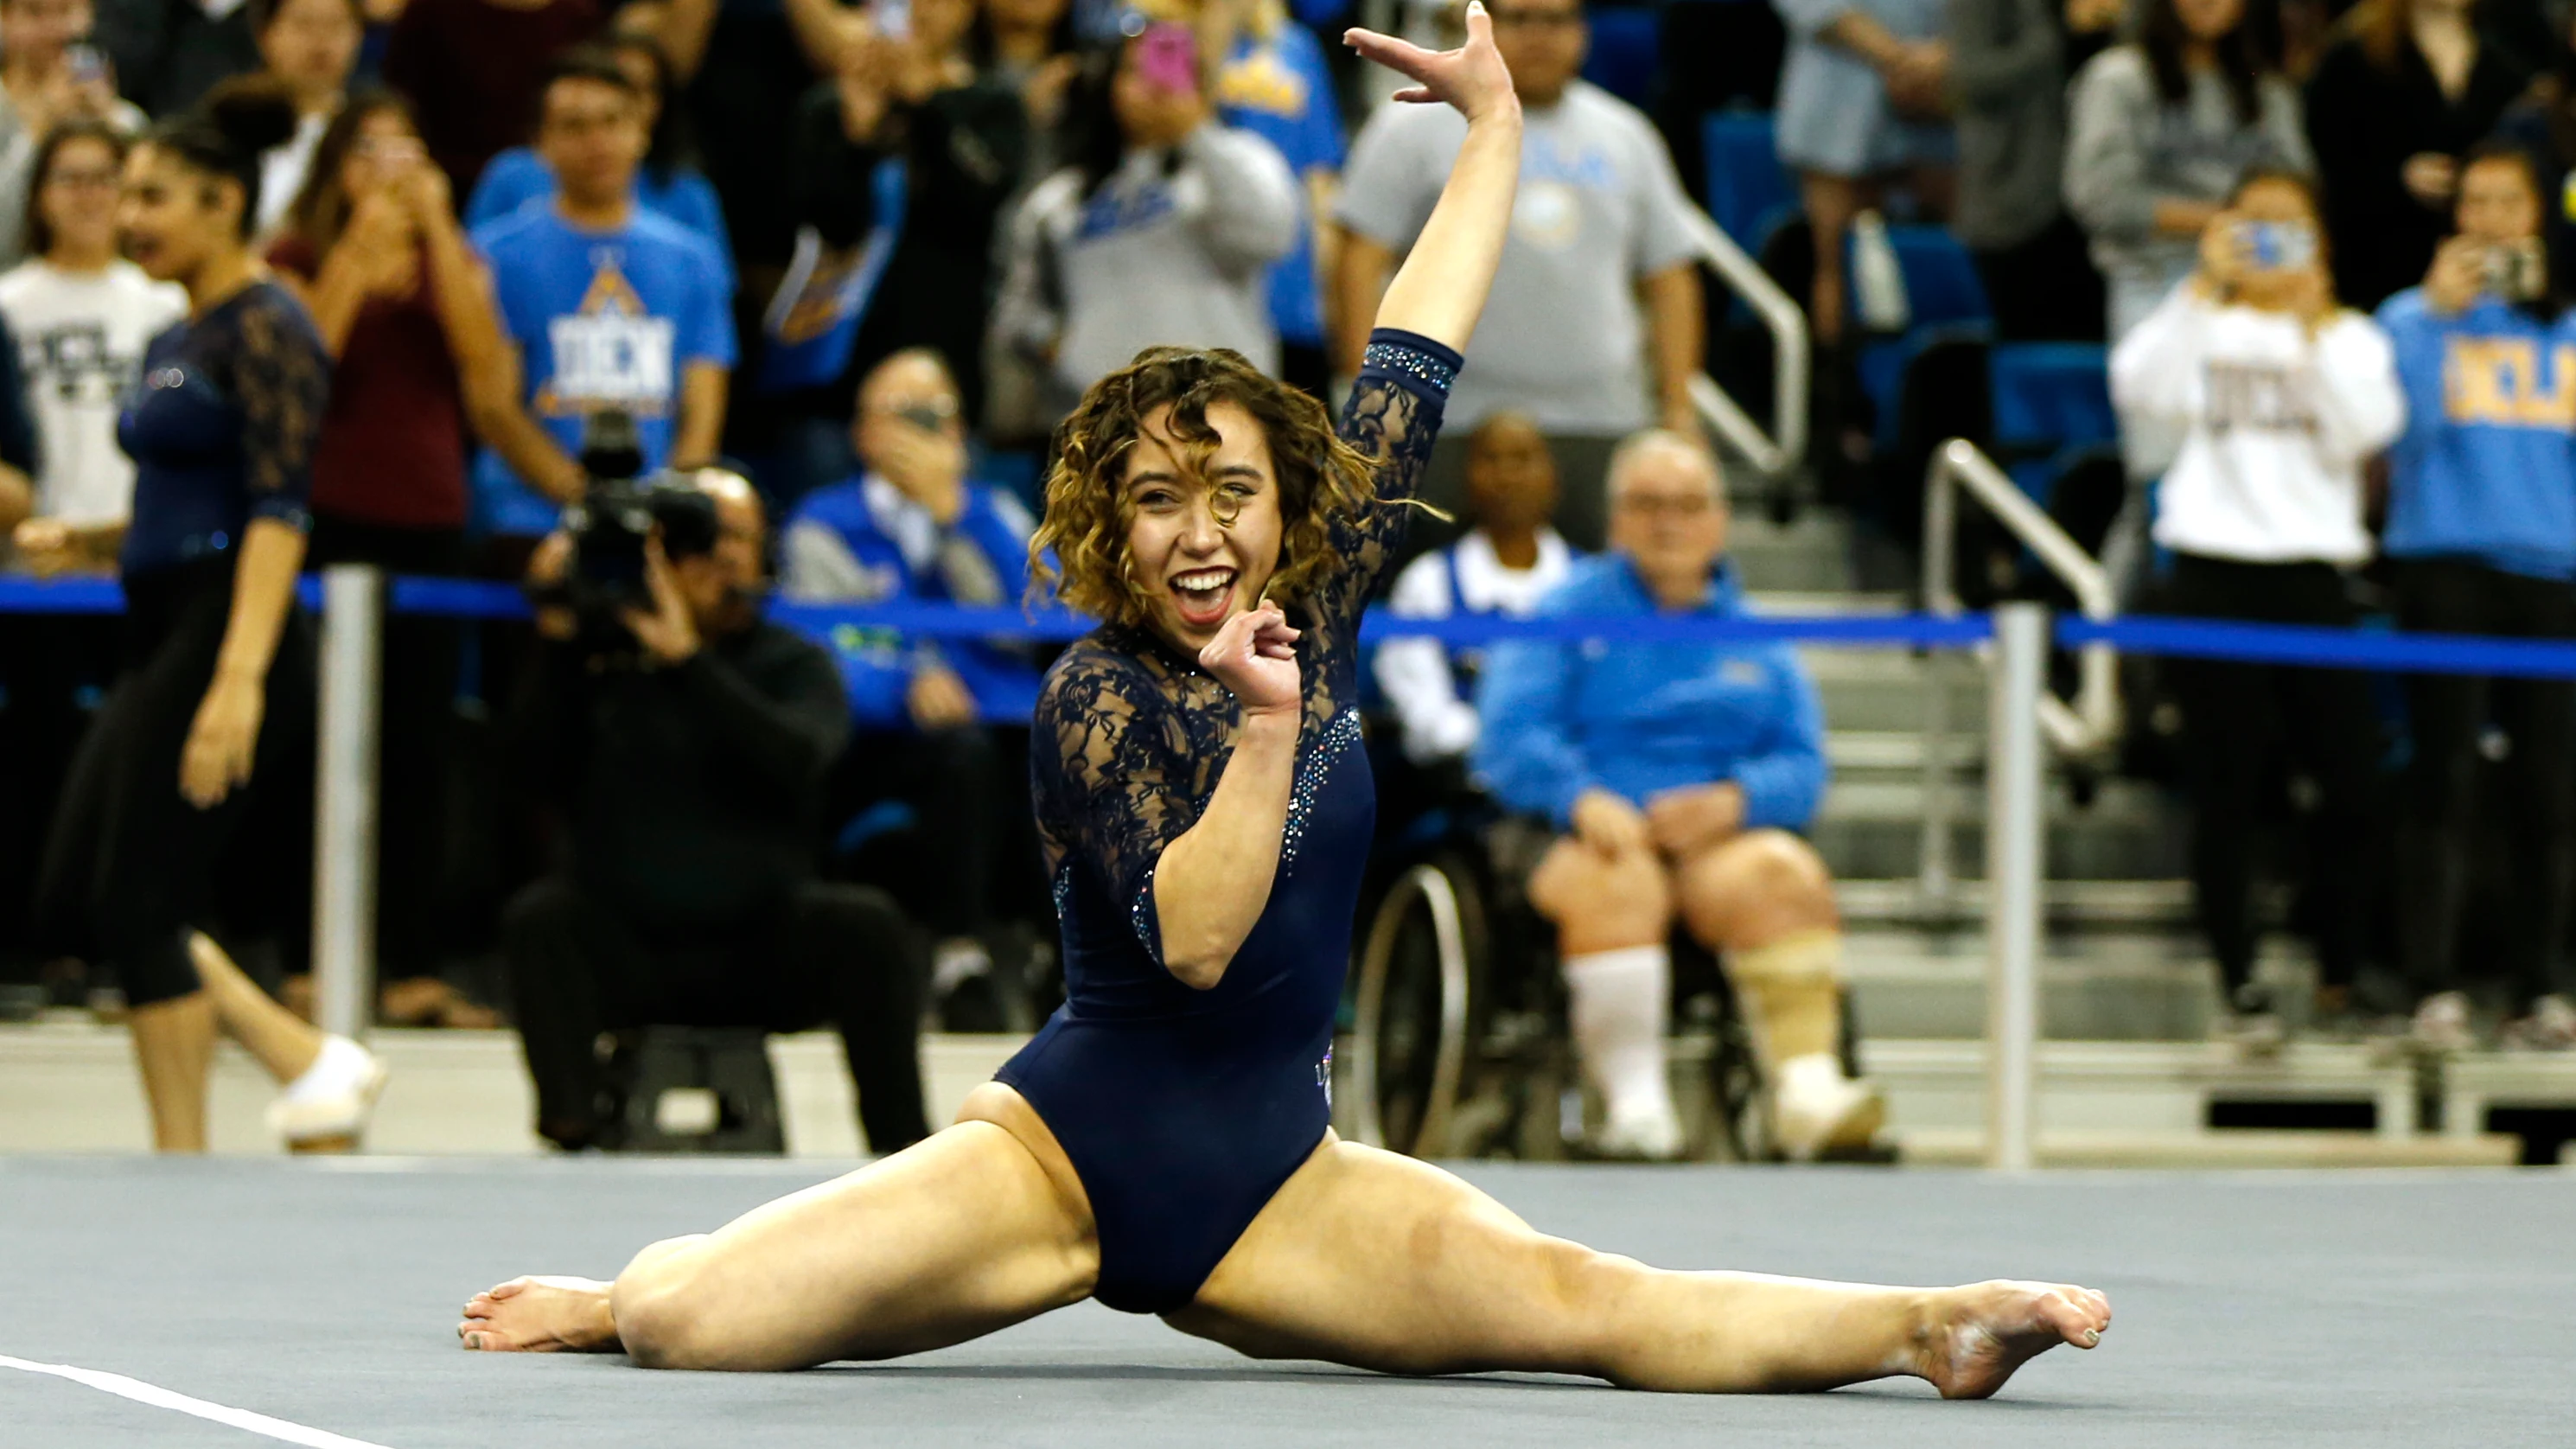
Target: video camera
619,510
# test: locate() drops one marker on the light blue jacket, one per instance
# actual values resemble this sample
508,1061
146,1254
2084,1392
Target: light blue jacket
1640,719
2486,468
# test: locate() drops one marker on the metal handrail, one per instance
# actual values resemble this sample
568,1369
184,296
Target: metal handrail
1785,445
2086,726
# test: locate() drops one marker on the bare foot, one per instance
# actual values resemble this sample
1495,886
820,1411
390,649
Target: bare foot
1979,1334
541,1315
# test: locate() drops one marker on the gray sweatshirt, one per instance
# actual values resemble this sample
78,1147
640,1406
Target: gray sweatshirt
1159,254
2008,88
2129,150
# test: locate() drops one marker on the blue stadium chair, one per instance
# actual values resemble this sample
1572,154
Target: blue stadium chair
1749,191
1623,56
2052,404
1947,301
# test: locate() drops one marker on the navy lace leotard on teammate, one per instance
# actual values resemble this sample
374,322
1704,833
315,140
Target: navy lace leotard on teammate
1184,1110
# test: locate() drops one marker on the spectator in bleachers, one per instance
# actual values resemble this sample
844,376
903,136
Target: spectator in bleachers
373,247
1864,100
668,184
45,82
310,46
909,144
1595,325
167,54
477,72
686,746
2404,91
740,67
2280,397
2007,89
1673,775
1503,565
81,315
1028,45
942,724
1162,230
2481,539
1271,80
2160,132
603,303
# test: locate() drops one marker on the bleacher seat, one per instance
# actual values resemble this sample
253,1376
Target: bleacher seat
2052,404
1625,43
1945,300
1749,192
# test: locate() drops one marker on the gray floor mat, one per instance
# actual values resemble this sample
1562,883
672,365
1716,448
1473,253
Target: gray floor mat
2354,1308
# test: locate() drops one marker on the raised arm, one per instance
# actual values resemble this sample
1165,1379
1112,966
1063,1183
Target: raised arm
1440,290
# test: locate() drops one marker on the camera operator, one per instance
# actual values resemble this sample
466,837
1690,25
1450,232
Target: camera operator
685,739
2481,539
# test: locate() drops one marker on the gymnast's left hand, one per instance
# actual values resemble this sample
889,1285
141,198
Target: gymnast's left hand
224,739
1254,654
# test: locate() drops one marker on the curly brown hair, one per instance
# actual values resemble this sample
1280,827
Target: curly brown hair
1321,478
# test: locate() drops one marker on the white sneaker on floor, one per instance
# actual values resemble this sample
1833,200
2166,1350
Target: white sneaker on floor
1815,1109
2442,1023
1653,1134
2252,1033
2551,1026
327,1108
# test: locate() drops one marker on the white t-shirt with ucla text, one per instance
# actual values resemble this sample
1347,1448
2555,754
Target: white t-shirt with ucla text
80,339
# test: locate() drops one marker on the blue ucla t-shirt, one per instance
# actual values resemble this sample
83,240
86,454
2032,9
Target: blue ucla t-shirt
601,319
1277,88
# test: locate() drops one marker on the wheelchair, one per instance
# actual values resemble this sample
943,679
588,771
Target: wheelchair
1456,1039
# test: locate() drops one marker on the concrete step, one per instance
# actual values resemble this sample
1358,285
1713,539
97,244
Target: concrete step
2108,1086
2072,905
2127,986
2081,847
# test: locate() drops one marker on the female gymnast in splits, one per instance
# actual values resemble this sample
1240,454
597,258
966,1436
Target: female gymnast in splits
1162,1145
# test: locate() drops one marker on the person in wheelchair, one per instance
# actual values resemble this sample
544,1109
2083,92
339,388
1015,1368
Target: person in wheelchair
1504,564
1671,777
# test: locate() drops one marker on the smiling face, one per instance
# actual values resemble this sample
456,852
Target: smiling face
1203,534
78,195
2499,201
1668,515
172,217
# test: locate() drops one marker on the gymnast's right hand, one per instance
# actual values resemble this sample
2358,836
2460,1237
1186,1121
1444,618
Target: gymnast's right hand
1254,655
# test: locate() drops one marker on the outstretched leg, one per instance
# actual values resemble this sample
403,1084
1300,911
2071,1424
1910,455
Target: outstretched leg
1378,1261
952,1238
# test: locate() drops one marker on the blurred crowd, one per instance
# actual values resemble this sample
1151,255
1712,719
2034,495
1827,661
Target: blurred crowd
848,264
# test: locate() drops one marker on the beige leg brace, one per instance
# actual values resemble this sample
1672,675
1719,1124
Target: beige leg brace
1792,991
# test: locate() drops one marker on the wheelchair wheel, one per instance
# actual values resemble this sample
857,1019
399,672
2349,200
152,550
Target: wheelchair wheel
1412,1010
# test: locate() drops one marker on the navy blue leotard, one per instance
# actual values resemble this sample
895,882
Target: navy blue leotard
1184,1110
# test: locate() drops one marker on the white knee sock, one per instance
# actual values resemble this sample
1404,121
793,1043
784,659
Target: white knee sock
1621,1000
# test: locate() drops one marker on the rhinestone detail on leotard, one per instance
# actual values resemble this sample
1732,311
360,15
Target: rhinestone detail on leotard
1413,362
1330,742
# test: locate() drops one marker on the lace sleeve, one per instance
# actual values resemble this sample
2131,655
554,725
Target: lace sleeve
281,379
1113,783
1392,417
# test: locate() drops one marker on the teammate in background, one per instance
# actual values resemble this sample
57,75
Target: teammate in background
1503,565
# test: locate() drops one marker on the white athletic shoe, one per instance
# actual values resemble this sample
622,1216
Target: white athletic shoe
2551,1027
326,1109
2442,1023
1815,1109
1653,1133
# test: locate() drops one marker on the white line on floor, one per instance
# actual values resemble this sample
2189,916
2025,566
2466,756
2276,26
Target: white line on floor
161,1398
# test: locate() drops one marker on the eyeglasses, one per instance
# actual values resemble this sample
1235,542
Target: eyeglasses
1677,505
84,180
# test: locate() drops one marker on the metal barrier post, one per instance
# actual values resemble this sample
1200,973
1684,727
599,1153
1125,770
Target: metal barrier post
344,799
2015,834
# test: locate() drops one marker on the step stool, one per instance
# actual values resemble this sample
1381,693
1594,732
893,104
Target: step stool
696,1089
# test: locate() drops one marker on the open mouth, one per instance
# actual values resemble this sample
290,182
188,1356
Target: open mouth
1204,596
